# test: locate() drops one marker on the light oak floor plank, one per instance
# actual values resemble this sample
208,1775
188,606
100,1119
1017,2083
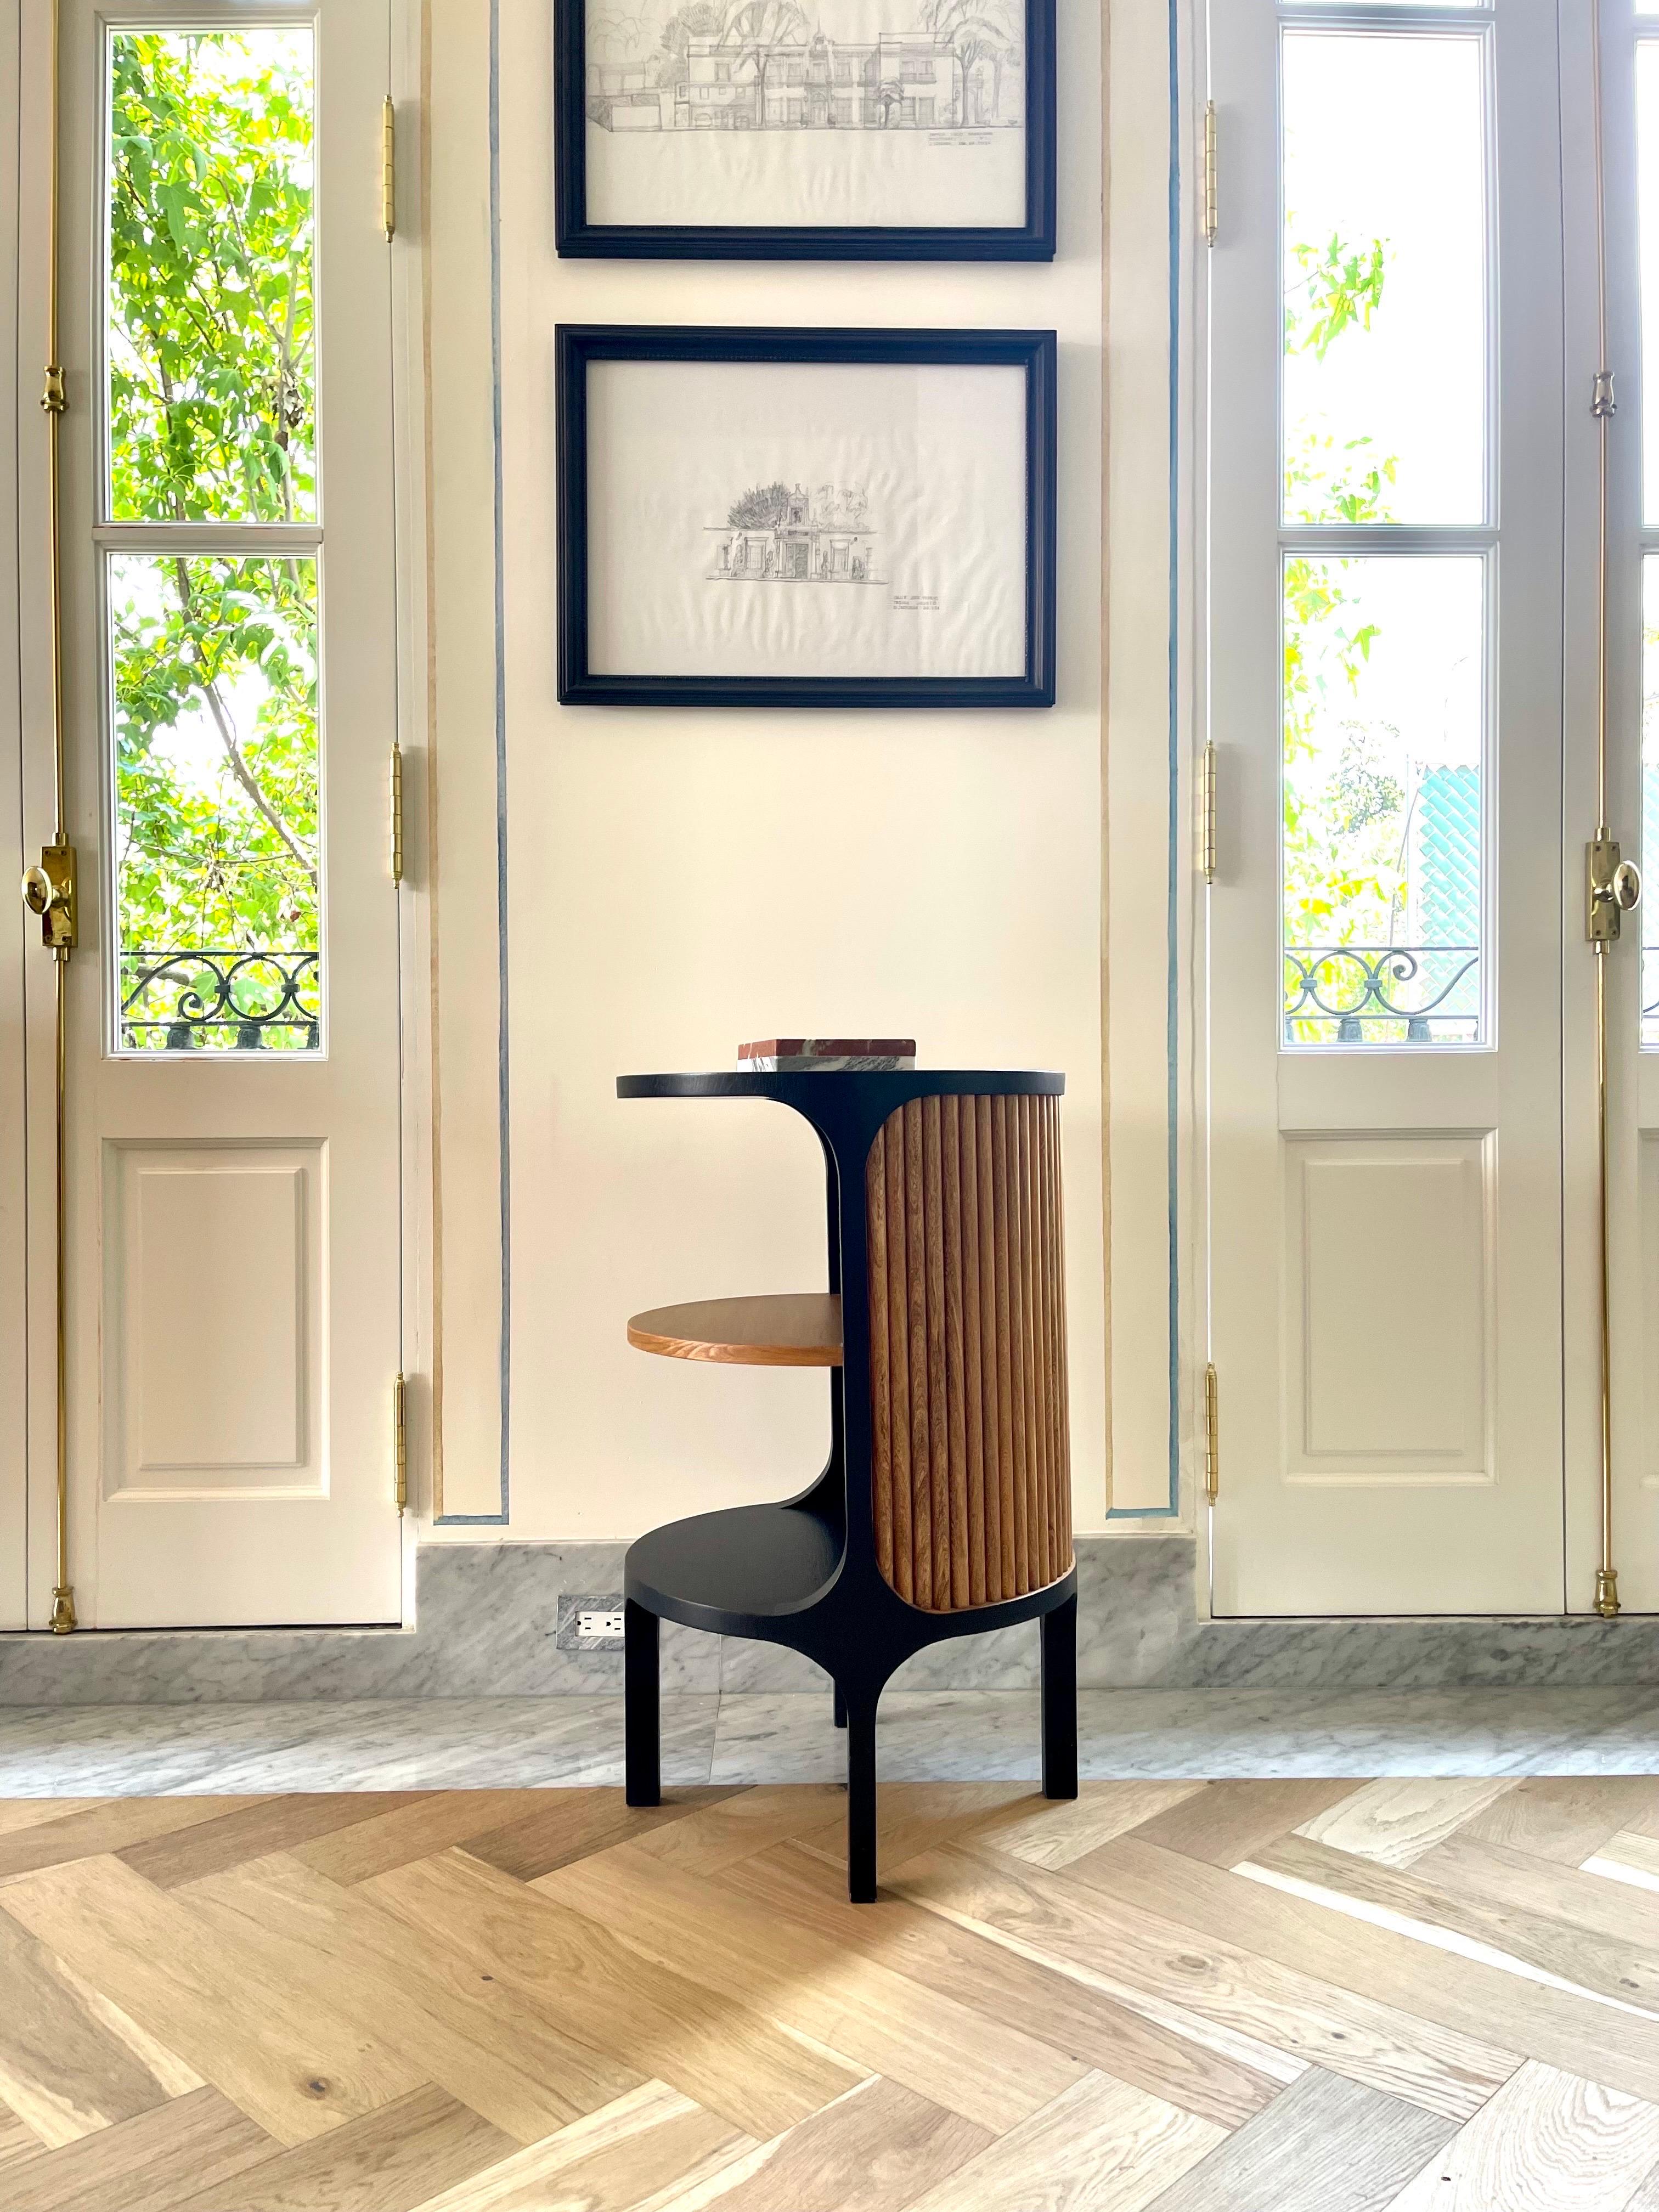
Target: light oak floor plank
872,2150
266,1824
146,2164
986,2070
726,2053
17,2138
1101,2146
1396,1820
297,2070
918,1816
613,2160
1327,2145
567,1825
1599,1966
64,2068
1498,1875
1461,1995
1630,1856
1546,2143
110,1824
482,2039
17,1812
1226,1822
1052,1835
411,1828
387,2161
749,1821
1094,2029
1127,1945
1564,1817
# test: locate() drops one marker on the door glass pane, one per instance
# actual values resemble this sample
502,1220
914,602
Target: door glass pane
1384,278
215,802
208,332
1383,804
1647,181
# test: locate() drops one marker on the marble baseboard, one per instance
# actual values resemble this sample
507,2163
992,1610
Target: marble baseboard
486,1617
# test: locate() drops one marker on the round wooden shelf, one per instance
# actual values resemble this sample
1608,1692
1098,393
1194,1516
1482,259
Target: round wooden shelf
793,1328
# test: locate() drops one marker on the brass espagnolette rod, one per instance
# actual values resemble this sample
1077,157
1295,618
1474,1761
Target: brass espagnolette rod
49,887
1612,885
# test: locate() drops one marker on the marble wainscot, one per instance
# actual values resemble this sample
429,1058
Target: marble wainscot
487,1615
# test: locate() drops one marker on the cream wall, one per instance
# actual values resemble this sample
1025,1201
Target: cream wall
677,880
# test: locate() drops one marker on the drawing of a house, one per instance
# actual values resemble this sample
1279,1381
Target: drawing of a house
782,534
896,81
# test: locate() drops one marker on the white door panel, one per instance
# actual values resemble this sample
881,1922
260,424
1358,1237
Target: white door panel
13,1396
1386,1192
1632,1072
233,1258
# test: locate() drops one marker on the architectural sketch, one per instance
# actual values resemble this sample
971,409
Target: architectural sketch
767,66
780,534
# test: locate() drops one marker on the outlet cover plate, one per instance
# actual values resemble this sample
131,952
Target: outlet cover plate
589,1621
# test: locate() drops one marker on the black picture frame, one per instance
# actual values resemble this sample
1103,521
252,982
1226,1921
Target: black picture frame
1035,351
575,236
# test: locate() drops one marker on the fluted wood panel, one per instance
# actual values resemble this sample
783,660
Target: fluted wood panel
971,1483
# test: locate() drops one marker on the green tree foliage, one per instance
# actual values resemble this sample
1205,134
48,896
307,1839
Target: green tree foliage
1344,818
212,418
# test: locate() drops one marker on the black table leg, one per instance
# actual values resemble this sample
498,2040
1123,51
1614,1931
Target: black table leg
1060,1700
642,1707
861,1796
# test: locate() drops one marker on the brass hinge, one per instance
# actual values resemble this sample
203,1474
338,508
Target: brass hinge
1212,195
1212,1435
1206,840
49,891
389,169
397,814
400,1440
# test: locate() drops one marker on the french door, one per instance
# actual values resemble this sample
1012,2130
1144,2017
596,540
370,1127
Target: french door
1407,421
231,1315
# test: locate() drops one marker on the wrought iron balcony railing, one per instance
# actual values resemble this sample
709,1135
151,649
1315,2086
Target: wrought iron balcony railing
233,1000
1373,993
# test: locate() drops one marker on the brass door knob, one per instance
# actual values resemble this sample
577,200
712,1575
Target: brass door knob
1626,886
41,894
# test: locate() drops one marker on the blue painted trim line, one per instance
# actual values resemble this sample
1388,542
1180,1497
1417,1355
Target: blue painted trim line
1172,1017
503,1122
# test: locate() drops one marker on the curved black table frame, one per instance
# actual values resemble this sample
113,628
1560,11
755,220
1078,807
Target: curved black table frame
803,1573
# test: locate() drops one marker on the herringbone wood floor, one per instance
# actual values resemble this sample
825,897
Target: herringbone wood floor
1311,1996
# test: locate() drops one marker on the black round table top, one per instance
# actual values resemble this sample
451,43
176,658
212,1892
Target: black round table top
906,1082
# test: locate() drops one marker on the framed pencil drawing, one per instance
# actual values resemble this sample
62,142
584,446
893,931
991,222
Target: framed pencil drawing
805,130
801,518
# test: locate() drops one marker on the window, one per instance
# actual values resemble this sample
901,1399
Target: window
1383,384
210,390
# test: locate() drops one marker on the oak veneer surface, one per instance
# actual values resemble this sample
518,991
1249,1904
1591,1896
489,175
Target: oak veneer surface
971,1486
1236,1997
789,1328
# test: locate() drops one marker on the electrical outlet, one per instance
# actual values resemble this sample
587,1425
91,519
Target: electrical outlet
589,1621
